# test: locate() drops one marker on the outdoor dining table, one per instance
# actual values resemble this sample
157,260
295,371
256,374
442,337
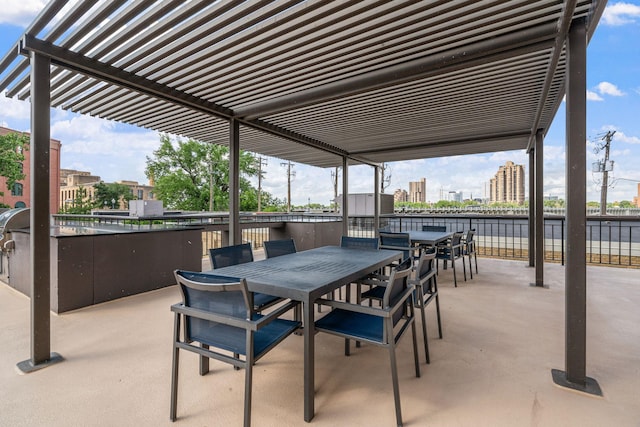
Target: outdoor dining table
429,238
306,276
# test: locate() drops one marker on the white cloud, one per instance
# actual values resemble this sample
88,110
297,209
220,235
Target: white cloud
592,96
20,12
112,151
620,14
606,88
14,109
620,136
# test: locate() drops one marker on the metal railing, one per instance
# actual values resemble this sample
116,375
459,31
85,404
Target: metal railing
610,240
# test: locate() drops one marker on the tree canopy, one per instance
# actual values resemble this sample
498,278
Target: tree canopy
186,174
12,148
109,195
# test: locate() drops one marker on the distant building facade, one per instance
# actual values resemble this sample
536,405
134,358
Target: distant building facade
400,195
20,195
418,191
74,180
636,199
507,186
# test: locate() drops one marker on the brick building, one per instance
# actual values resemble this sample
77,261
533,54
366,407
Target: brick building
20,194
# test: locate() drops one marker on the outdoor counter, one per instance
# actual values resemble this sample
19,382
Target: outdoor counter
91,265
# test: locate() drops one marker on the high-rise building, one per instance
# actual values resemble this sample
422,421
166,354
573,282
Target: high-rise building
507,186
636,199
400,195
418,191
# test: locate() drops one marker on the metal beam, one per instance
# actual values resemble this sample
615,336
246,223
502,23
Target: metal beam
113,75
101,71
561,36
574,376
40,225
501,47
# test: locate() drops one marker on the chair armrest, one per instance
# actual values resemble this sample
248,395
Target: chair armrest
214,317
353,307
248,324
273,315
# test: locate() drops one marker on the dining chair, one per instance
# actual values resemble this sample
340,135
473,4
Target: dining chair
469,249
451,252
240,254
216,318
398,242
275,248
382,326
425,282
365,243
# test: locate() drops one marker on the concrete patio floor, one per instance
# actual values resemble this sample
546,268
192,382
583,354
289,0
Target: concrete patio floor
493,367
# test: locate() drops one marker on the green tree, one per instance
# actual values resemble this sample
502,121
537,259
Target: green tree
80,205
187,173
110,195
12,146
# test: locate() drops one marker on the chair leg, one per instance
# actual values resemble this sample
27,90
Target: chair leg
248,379
475,257
455,278
424,326
174,369
394,379
470,269
464,269
204,361
415,342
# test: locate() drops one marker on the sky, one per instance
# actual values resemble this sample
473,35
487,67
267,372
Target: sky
116,151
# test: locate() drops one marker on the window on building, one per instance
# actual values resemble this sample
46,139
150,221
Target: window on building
17,189
150,194
140,194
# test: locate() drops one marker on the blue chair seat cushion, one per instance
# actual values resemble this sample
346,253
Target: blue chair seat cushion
233,339
352,324
263,300
376,292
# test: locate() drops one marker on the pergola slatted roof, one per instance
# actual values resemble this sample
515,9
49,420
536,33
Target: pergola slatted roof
375,81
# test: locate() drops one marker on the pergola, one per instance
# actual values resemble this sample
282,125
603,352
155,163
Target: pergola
325,83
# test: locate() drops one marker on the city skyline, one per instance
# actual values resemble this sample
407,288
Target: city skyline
116,151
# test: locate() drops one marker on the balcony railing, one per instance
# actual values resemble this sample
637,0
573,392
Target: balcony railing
610,240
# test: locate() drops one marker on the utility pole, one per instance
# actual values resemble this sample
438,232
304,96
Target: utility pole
386,178
290,173
261,162
334,180
605,167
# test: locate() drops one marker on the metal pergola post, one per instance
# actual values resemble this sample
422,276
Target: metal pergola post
376,199
539,208
574,376
40,231
235,234
345,196
532,206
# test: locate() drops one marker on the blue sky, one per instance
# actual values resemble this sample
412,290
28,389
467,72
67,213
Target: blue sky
613,79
